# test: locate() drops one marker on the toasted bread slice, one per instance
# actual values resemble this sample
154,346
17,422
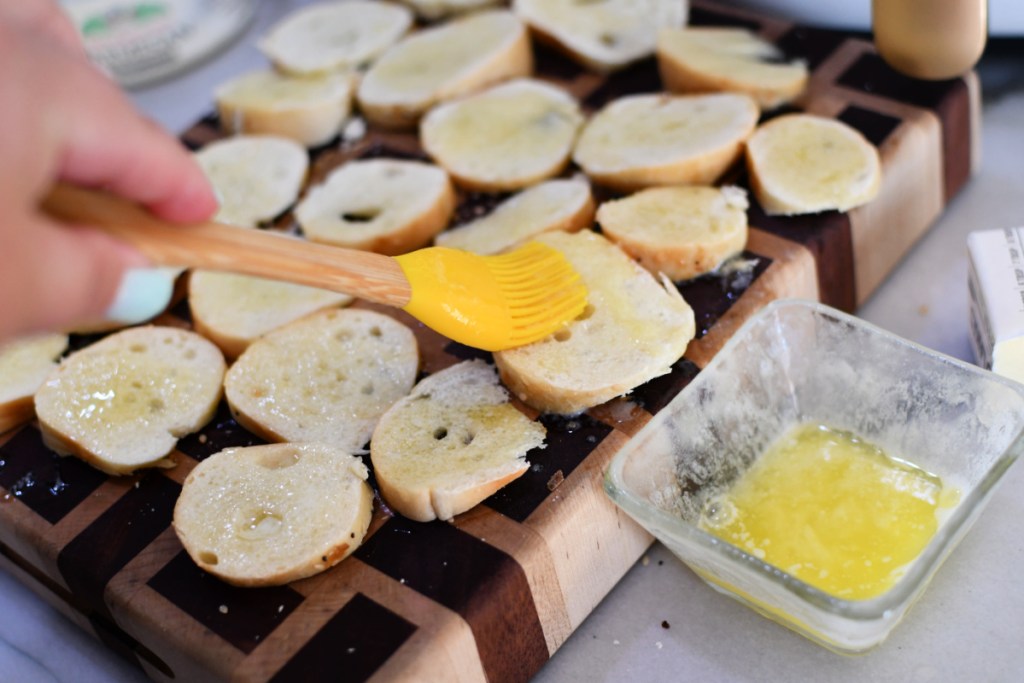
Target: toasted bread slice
256,176
505,138
122,403
633,329
454,441
24,365
268,515
389,206
443,62
334,36
647,140
307,110
233,310
553,205
802,163
720,59
683,231
325,378
433,10
605,35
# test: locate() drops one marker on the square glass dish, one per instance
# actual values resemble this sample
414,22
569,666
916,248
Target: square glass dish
797,362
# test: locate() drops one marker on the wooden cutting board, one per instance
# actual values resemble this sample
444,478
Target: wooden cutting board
493,594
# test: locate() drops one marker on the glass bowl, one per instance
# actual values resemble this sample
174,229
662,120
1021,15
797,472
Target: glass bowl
795,362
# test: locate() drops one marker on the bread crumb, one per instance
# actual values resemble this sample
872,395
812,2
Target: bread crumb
923,310
350,650
556,480
658,645
223,609
203,438
645,560
615,642
665,625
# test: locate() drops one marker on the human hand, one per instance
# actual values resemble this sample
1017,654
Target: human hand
62,119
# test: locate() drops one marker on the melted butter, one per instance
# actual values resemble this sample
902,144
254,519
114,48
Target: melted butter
832,510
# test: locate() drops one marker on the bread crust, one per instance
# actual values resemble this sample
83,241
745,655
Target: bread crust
613,152
770,84
311,122
454,441
491,234
584,365
144,388
270,515
398,110
839,168
681,231
329,377
504,156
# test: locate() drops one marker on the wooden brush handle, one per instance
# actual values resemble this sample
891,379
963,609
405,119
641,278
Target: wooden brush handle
214,246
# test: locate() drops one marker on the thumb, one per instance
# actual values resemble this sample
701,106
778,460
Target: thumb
65,277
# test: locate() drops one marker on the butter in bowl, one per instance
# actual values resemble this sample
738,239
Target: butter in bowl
819,469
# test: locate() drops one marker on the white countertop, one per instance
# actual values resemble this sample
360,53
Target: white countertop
968,626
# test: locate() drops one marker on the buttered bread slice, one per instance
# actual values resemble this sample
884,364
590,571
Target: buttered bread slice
801,163
307,110
325,378
334,36
727,59
234,310
505,138
256,176
443,62
682,231
454,441
122,403
646,140
389,206
24,365
269,515
634,328
603,35
553,205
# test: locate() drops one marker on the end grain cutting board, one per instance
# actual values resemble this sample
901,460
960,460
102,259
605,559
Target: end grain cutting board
492,595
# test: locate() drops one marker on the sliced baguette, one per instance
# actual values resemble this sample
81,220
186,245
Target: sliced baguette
269,515
633,329
801,163
647,140
325,378
389,206
256,176
505,138
553,205
454,441
307,110
682,232
334,36
603,35
24,365
233,310
443,62
122,403
433,10
719,59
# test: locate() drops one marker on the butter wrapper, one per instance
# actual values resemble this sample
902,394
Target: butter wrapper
996,286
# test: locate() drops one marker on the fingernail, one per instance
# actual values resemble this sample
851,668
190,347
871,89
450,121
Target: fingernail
144,293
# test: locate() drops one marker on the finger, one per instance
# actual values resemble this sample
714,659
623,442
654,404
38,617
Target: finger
70,276
98,138
139,161
44,17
